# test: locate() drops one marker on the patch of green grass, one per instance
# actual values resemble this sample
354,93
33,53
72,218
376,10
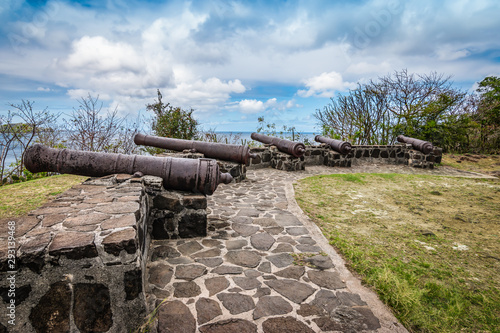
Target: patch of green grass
20,198
400,234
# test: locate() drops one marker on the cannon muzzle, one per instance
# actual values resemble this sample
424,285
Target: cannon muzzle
420,145
296,149
342,147
195,175
235,153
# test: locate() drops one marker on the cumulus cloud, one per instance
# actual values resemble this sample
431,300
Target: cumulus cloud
325,85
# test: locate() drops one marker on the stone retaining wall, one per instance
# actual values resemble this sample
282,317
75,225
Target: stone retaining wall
81,259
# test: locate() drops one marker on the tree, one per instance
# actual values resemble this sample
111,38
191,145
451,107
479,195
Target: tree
172,122
487,114
89,130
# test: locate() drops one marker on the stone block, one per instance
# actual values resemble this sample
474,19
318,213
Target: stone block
73,245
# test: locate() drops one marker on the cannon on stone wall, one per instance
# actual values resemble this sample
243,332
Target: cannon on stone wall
339,146
420,145
196,175
296,149
226,152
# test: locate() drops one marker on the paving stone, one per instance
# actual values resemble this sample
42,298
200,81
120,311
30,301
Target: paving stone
245,230
164,251
246,283
216,285
207,309
320,262
350,299
189,248
210,262
249,212
235,290
180,261
120,222
280,260
326,300
225,269
236,244
118,208
252,273
211,243
160,275
286,239
307,310
292,272
274,230
306,240
286,219
293,290
371,322
265,267
283,247
285,325
243,258
120,240
262,292
355,319
190,272
308,248
207,254
186,289
297,231
230,325
271,306
242,219
326,324
262,241
50,220
74,245
236,303
174,316
325,279
266,222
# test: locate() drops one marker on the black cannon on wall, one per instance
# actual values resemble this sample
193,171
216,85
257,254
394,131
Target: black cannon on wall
226,152
342,147
420,145
296,149
196,175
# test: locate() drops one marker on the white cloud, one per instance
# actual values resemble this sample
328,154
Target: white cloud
43,89
324,85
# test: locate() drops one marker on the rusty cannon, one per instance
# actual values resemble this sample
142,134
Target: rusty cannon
226,152
339,146
296,149
420,145
195,175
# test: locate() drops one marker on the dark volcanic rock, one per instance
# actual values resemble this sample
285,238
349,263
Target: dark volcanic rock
293,290
243,258
207,309
324,279
236,303
271,306
285,325
174,316
229,326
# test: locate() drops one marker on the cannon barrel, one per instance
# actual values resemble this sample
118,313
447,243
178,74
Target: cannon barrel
342,147
420,145
296,149
196,175
221,151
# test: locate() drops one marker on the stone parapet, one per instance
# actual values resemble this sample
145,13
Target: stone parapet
80,260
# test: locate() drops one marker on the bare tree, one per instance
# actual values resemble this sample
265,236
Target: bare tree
89,130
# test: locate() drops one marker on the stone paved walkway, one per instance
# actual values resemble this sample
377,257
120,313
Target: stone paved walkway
264,267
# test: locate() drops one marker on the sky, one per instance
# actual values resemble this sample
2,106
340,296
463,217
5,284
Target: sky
235,61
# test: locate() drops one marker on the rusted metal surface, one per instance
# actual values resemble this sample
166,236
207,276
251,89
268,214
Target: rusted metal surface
422,146
296,149
342,147
235,153
196,175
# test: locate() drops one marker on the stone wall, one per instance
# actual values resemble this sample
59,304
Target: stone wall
324,155
81,259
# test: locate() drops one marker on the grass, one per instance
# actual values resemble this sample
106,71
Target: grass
20,198
428,245
488,164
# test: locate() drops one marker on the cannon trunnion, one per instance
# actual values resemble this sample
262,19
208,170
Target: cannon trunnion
201,175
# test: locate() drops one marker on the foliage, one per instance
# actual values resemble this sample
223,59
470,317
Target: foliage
487,115
89,130
172,122
288,133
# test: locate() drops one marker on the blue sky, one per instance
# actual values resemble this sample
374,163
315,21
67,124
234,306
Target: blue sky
233,61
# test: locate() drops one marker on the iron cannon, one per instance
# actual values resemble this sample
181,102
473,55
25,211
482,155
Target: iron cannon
296,149
196,175
235,153
339,146
422,146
